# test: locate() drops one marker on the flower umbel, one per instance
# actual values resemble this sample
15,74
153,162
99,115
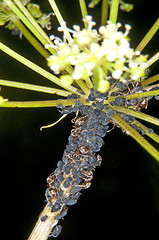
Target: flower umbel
100,54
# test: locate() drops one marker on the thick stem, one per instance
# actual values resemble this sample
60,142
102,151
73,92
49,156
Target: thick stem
42,229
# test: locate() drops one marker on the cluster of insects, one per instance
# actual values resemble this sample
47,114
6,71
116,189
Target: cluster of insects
74,171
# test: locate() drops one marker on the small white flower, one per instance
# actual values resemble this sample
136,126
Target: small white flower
117,74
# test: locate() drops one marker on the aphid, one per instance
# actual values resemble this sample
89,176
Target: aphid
86,184
62,213
80,121
83,150
43,219
50,193
99,159
56,231
141,105
56,207
88,175
75,132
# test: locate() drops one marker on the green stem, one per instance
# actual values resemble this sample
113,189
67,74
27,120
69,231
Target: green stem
83,11
134,134
150,80
30,38
37,104
104,14
153,59
114,11
33,87
140,115
36,68
147,131
142,94
30,22
60,20
148,36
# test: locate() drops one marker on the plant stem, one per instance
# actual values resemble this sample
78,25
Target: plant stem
60,19
31,38
148,36
153,59
150,80
36,68
150,134
30,22
114,11
33,87
140,115
104,14
37,104
134,134
42,230
83,11
142,94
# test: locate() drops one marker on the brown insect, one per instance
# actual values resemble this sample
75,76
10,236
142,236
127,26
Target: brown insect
99,159
80,121
141,105
83,150
75,132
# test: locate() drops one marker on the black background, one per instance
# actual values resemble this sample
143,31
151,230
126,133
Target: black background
123,200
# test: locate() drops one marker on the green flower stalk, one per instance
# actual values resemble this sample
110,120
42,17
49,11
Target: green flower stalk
89,67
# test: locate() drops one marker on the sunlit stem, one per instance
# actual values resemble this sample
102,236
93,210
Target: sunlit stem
31,38
134,134
140,115
148,36
147,131
114,11
39,104
36,68
30,22
53,124
142,94
33,87
60,20
150,80
83,11
104,14
153,59
42,230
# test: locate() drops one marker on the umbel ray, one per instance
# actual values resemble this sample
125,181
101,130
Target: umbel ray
99,77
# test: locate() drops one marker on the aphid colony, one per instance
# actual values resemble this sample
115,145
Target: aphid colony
75,171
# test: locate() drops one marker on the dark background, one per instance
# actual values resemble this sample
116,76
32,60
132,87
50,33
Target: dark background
123,200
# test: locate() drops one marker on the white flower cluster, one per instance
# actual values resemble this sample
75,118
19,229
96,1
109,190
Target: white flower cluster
98,54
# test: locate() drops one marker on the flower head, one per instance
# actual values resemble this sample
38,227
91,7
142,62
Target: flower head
107,48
